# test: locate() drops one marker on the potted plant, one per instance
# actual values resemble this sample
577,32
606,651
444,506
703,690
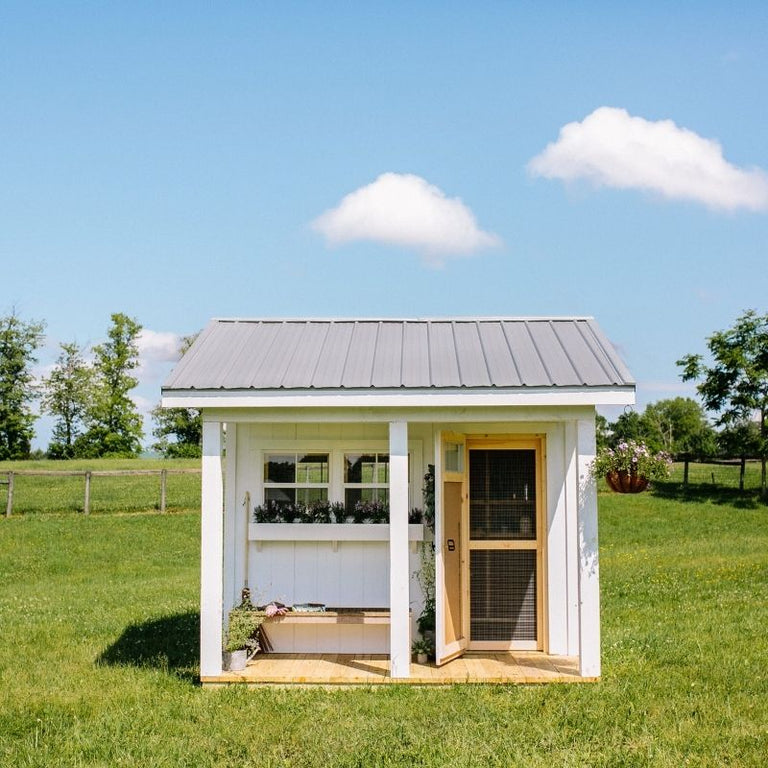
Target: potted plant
319,511
241,641
630,466
422,648
371,511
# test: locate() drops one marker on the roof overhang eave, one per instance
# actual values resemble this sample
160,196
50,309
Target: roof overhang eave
413,398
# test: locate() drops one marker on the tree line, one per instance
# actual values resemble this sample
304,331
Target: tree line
95,415
88,397
679,426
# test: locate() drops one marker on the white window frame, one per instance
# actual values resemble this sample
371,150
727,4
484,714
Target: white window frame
336,448
296,486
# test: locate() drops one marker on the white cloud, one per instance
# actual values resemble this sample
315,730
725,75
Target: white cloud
612,148
405,210
157,351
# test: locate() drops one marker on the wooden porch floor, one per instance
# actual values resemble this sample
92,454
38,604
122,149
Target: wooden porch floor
359,669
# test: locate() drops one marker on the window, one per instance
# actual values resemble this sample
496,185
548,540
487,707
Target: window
296,478
366,478
453,458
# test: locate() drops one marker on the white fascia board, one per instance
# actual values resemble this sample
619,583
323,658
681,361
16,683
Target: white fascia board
398,398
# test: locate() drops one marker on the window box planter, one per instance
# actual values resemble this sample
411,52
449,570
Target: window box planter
335,532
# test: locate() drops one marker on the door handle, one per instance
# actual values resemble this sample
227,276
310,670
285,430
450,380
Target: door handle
451,544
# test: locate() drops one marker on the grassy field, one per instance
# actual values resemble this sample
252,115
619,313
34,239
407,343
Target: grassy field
99,651
34,494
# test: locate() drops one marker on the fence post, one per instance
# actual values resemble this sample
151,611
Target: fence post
685,472
9,503
87,502
742,470
163,479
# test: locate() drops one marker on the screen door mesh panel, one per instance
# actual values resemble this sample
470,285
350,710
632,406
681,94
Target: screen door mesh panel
502,587
502,494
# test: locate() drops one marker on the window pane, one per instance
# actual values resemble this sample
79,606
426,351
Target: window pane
382,468
312,468
360,468
368,468
281,496
353,495
308,495
352,468
454,457
280,468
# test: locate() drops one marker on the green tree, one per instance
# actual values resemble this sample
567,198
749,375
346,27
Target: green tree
18,342
602,431
627,427
180,430
735,386
740,440
114,424
67,395
678,426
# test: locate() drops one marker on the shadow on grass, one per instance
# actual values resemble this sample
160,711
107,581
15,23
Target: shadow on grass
707,492
171,643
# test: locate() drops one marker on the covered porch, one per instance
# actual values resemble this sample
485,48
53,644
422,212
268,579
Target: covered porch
516,667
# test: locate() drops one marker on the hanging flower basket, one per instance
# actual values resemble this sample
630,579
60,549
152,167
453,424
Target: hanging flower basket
625,482
630,466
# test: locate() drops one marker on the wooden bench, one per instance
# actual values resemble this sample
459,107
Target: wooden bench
335,616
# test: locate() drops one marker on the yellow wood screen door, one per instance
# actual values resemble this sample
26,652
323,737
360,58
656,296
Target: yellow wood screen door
505,537
450,549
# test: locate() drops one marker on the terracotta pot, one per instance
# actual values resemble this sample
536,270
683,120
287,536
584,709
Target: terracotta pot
624,482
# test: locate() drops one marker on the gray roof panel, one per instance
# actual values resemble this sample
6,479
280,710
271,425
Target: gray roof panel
443,363
473,366
498,357
416,369
358,369
330,366
469,353
388,362
524,354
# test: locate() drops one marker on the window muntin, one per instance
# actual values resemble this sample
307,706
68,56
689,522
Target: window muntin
296,478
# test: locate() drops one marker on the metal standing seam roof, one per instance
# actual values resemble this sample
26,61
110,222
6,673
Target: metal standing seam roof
450,353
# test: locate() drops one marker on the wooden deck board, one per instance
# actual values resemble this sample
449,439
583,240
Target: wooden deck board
365,669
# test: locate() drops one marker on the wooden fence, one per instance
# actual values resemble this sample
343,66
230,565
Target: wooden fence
88,475
740,463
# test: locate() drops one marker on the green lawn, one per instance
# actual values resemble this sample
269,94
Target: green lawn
99,645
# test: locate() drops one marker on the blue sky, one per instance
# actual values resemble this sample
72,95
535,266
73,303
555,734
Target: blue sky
173,161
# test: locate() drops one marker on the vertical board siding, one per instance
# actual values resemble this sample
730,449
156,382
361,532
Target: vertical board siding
356,575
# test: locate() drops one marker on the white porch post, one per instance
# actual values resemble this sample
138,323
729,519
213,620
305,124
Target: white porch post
589,572
571,492
399,596
211,552
233,540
